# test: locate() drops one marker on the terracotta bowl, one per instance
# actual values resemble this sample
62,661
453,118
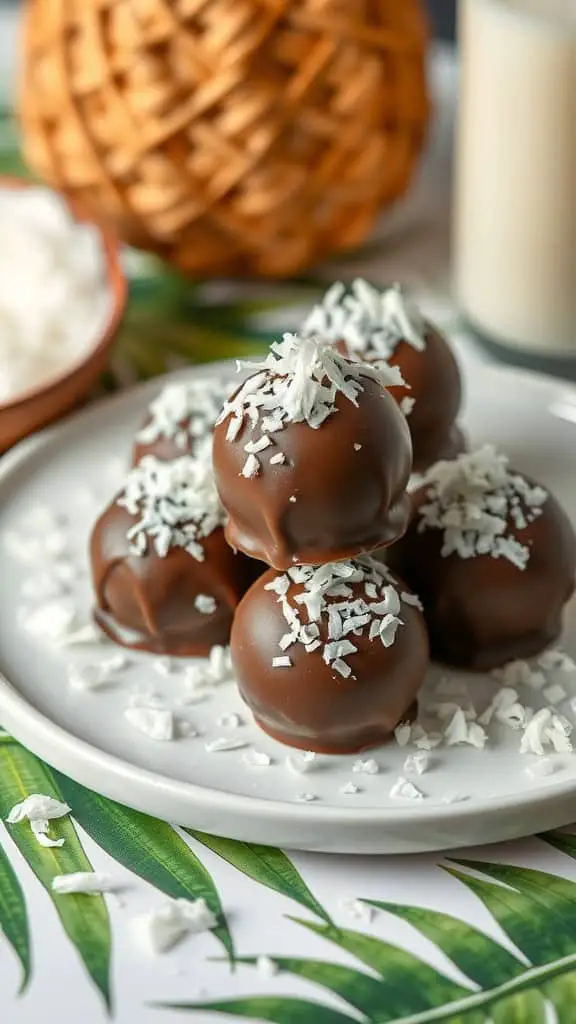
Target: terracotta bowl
47,402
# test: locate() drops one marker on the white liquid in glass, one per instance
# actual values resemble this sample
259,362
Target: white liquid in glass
515,221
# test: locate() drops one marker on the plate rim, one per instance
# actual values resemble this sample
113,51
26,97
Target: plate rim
26,724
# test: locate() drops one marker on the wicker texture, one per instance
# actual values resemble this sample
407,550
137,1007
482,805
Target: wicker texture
230,136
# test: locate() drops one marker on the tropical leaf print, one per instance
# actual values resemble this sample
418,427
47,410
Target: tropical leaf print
279,1010
13,916
84,918
148,847
266,865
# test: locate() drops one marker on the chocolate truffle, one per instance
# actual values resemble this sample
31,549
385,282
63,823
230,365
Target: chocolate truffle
180,417
312,457
165,579
330,658
492,556
385,327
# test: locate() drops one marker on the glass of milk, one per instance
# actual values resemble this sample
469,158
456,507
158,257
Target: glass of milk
515,209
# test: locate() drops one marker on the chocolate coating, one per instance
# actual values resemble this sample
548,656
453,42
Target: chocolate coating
347,500
147,602
435,386
482,612
309,705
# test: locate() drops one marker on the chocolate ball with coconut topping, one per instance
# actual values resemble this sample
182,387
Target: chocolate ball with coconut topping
330,658
164,576
180,418
312,457
385,327
492,556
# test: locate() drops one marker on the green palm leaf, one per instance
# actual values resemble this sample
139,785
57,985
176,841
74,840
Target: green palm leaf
474,953
565,842
561,992
279,1009
361,991
148,847
84,918
411,986
523,1008
265,865
13,916
548,926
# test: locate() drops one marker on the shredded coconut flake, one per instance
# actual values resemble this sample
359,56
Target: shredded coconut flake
405,790
471,500
357,909
51,621
175,503
546,728
355,598
175,919
298,382
230,721
305,798
556,661
205,604
417,764
349,789
224,743
520,673
267,967
155,723
256,759
369,767
371,323
185,412
541,768
88,882
554,694
301,762
39,810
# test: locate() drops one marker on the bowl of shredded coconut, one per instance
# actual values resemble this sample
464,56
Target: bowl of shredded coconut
62,297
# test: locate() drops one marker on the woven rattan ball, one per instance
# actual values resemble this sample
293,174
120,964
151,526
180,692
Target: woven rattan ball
230,136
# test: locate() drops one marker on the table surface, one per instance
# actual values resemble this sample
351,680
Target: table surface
487,934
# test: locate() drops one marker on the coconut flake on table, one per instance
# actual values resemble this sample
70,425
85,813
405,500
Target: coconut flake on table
357,909
297,382
266,967
175,919
39,810
356,598
479,504
177,503
54,297
184,411
86,882
370,322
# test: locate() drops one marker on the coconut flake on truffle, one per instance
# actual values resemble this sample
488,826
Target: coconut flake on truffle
370,322
297,382
329,593
185,411
478,503
177,503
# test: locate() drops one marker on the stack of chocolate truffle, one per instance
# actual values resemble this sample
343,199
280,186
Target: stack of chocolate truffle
307,468
312,458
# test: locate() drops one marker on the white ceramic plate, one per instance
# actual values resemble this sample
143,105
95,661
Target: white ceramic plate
73,470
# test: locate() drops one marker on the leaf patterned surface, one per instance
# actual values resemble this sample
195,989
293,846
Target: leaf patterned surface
361,991
476,954
278,1009
266,865
523,1008
148,847
13,916
551,909
84,918
411,986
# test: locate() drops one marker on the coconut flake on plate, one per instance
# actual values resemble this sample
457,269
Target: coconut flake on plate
155,723
224,743
301,761
403,789
368,767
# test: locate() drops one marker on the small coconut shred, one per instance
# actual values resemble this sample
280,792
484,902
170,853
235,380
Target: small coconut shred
480,505
54,299
185,411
